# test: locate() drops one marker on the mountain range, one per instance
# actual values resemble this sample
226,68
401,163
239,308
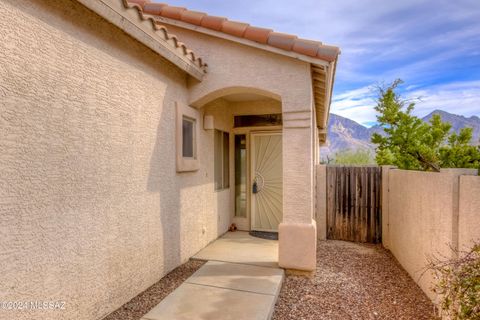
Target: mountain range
345,134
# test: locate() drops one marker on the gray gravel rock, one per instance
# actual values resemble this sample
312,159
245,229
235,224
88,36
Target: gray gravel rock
145,301
353,281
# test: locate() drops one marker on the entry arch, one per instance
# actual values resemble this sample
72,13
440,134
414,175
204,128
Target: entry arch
199,102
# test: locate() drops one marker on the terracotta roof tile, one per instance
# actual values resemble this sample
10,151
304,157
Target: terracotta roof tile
257,34
193,17
172,12
212,22
144,6
282,41
234,28
326,52
306,47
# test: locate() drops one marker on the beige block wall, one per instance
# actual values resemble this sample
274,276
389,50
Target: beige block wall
93,211
423,214
469,212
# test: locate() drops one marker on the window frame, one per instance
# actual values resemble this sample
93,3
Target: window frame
194,137
238,175
224,144
187,164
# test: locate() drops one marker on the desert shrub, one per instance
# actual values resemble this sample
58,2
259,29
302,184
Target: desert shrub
354,157
459,284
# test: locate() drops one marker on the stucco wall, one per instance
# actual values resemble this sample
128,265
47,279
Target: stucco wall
283,76
93,211
469,211
423,214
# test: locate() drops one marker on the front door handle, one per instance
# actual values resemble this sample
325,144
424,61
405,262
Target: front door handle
255,187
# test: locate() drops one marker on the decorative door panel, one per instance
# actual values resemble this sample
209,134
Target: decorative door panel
266,184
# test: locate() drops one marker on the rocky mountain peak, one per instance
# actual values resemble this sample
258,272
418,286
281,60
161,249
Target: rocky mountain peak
346,134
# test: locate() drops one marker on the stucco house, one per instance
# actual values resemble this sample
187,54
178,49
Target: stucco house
132,134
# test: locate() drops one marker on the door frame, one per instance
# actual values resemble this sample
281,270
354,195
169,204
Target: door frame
244,223
252,176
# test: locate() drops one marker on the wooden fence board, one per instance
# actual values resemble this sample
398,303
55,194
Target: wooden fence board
354,203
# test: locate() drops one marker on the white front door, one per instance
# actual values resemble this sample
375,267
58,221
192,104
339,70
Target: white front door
266,186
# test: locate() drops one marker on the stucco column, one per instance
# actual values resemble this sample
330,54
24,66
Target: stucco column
321,201
297,232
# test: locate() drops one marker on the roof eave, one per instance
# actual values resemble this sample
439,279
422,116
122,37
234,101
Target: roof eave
131,20
324,62
322,108
322,84
332,84
250,43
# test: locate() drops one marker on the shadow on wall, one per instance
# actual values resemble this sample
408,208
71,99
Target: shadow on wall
162,181
183,196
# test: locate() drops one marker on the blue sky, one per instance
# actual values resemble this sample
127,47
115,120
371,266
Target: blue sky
433,45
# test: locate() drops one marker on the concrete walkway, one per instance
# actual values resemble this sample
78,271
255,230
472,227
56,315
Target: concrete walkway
240,247
241,281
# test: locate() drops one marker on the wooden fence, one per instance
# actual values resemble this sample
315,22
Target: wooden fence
354,203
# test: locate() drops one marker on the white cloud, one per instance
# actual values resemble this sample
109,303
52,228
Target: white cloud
353,94
356,104
456,97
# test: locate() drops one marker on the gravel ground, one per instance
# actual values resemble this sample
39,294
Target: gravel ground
145,301
353,281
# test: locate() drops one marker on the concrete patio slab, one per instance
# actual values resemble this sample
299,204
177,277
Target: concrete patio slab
198,302
240,247
239,277
241,281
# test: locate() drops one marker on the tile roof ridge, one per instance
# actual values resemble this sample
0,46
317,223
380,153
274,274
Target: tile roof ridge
266,36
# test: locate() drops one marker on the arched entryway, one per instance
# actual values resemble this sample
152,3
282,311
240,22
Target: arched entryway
275,124
251,120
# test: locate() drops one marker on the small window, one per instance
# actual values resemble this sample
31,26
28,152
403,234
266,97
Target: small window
188,137
241,175
221,161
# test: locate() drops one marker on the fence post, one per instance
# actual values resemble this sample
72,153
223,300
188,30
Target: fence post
385,206
456,173
321,198
469,212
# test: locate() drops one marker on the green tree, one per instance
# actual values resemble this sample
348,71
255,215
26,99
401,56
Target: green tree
354,157
459,153
411,143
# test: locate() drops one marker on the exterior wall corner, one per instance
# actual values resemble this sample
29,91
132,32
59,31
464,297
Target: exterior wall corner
298,246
